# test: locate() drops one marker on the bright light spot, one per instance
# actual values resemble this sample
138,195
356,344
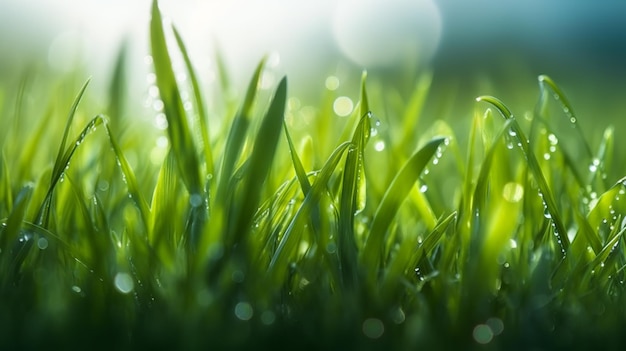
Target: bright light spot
42,243
160,121
332,83
482,334
379,146
76,289
244,311
513,243
373,328
387,33
124,283
513,192
343,106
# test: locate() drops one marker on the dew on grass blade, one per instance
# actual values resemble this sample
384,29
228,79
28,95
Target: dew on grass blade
124,282
42,243
195,200
244,311
373,328
76,289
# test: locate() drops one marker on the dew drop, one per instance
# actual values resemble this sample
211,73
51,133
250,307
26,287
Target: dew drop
124,282
379,145
195,200
42,243
423,188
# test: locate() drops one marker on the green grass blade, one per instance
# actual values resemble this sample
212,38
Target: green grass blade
181,138
533,164
237,136
130,178
303,179
61,165
6,194
202,117
289,240
260,162
373,251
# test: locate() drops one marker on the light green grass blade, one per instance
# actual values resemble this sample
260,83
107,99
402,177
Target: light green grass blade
61,165
260,162
165,233
118,89
181,137
202,117
373,250
237,136
533,164
352,201
6,194
289,240
303,179
130,179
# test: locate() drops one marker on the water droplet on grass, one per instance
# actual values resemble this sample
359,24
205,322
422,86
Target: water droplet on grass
513,192
124,282
42,243
195,200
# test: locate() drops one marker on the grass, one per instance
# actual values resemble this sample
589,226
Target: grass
254,228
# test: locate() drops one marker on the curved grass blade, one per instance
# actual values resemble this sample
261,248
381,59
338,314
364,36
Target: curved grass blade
544,81
202,117
303,179
373,251
280,259
129,177
58,162
237,136
260,162
181,138
59,169
548,196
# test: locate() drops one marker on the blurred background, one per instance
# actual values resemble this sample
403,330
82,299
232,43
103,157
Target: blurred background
473,47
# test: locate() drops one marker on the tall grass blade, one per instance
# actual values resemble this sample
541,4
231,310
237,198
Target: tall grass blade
61,165
201,117
260,162
130,178
373,250
533,164
181,138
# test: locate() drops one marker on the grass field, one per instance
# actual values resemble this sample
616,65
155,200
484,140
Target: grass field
265,224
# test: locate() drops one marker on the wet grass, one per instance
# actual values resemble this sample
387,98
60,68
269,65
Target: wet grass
263,231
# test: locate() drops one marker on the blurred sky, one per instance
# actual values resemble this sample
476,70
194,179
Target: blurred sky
454,36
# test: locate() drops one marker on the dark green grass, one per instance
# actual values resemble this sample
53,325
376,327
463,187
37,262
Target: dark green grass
260,230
